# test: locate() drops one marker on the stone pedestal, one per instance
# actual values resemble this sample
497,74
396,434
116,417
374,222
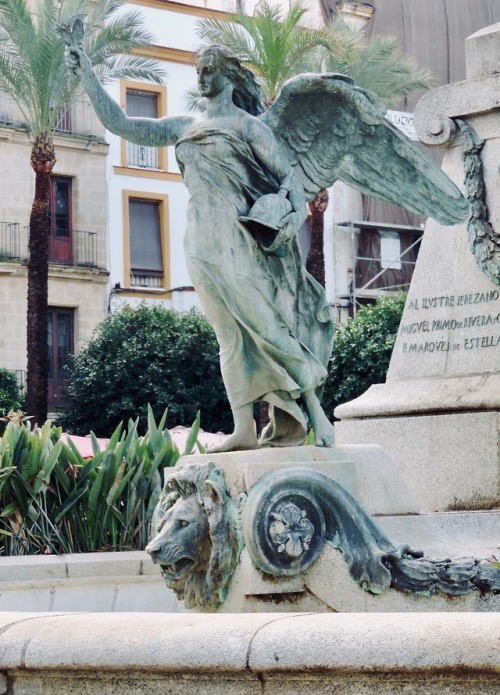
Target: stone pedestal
450,461
438,414
367,473
364,470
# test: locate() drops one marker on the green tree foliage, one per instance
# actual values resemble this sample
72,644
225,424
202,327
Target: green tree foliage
147,355
275,45
362,350
278,45
10,394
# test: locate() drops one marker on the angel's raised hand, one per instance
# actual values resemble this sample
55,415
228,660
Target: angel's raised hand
72,33
72,58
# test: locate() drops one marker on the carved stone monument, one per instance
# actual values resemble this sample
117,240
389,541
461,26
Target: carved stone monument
339,529
291,527
438,414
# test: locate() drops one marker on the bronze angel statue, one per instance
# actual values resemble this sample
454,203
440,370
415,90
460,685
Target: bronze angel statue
250,174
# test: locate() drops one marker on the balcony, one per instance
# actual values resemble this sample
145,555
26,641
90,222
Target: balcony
77,248
10,242
142,157
78,119
66,247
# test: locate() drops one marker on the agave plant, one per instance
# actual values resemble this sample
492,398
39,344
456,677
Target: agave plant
27,461
54,501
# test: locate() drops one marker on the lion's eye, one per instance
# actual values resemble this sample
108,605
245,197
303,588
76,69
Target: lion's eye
183,523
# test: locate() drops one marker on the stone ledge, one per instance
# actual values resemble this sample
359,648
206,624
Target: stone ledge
78,565
425,396
265,644
97,582
459,100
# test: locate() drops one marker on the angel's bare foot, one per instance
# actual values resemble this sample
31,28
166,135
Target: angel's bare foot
322,427
244,435
235,442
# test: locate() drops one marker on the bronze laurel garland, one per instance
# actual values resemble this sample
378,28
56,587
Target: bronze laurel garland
483,241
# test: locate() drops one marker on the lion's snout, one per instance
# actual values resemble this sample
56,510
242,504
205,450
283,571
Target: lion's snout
154,549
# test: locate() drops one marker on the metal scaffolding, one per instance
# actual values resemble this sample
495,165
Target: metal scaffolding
359,294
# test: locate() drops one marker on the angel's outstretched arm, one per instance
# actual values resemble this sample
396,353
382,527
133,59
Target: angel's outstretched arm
142,131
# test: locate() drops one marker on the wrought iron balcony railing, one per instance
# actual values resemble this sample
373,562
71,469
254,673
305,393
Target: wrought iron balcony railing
143,157
141,278
73,247
10,242
66,247
78,118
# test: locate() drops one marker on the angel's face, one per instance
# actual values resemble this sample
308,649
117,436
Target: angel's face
211,80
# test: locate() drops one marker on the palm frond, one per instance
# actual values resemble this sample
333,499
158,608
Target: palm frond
32,66
275,45
193,101
120,35
379,66
131,67
229,34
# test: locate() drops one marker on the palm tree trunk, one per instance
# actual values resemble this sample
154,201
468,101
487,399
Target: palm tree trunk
42,161
315,263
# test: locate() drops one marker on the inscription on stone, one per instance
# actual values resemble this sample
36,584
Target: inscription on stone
472,311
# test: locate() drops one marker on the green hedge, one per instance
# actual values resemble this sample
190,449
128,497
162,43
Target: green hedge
10,393
147,355
362,351
54,501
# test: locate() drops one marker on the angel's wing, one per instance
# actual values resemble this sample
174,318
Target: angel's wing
331,130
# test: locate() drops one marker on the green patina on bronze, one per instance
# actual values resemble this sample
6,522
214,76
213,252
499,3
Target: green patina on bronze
196,535
271,318
288,516
483,242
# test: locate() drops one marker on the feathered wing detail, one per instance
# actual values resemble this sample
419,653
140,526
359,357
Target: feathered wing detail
332,130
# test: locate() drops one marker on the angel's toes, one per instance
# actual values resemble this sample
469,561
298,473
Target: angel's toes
325,440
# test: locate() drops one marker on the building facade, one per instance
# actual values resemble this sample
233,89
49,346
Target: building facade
78,256
118,211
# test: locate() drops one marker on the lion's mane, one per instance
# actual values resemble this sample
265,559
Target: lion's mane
206,588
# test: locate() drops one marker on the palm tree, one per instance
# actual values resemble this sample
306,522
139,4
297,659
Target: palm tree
34,75
377,65
276,47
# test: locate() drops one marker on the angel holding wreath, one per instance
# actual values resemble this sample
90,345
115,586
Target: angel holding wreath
249,174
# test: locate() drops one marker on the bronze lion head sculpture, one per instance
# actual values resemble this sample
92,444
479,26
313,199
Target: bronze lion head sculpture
195,535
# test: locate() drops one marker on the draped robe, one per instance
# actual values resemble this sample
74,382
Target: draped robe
271,318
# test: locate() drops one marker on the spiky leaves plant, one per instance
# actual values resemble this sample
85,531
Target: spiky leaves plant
34,75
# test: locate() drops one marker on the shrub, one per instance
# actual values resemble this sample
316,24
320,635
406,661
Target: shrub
362,351
54,501
10,396
147,355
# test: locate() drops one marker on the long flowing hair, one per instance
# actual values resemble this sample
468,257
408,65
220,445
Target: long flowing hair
246,92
